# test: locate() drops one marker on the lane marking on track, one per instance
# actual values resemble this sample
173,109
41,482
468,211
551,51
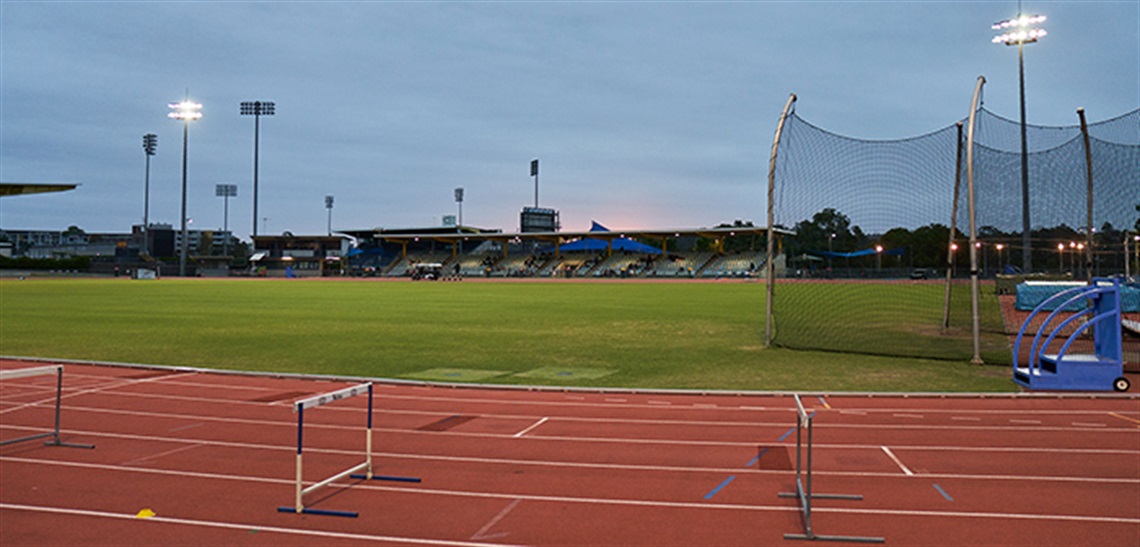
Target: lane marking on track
1115,415
895,459
1086,424
902,415
1027,422
245,527
482,533
663,403
824,402
720,487
152,457
185,427
594,501
943,492
531,427
966,418
115,385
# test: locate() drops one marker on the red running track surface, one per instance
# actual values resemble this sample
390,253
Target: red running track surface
213,456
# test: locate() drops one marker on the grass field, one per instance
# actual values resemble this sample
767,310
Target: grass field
646,335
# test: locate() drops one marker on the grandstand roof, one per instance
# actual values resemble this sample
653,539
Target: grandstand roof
22,188
465,233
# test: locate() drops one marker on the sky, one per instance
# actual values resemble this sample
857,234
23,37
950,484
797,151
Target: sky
644,115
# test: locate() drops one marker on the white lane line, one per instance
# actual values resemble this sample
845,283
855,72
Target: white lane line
482,533
1028,422
115,385
1085,424
531,428
152,457
900,415
966,418
895,459
245,527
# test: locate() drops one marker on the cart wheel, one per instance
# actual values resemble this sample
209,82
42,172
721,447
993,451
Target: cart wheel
1121,384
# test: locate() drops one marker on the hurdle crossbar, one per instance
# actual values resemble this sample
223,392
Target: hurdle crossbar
804,492
354,472
54,433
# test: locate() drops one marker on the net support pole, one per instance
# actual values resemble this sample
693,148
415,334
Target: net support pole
975,323
953,231
1089,199
771,265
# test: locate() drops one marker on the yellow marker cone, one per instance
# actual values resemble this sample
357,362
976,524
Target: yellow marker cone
144,514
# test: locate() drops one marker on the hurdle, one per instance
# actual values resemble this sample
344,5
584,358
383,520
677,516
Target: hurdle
804,492
54,433
352,472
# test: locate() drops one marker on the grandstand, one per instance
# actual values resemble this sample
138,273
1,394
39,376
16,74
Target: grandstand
598,253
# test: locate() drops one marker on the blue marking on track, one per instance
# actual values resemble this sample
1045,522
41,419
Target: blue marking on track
943,492
757,458
720,487
786,433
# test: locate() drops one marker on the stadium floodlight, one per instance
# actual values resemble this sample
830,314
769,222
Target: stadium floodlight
186,112
329,206
1021,31
226,191
1001,265
257,109
150,144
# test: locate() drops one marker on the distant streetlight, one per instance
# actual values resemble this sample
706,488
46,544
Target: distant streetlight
1001,264
878,257
257,109
186,112
1061,257
329,206
150,143
226,191
1020,31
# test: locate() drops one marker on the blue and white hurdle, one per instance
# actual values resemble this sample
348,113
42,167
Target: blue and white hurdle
352,472
54,433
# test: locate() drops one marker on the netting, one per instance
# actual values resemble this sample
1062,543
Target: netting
866,268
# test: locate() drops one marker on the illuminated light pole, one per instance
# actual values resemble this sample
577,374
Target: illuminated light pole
1020,31
150,143
186,112
257,109
1061,258
1001,264
878,257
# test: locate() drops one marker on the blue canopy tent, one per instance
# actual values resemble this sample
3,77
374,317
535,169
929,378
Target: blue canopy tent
619,243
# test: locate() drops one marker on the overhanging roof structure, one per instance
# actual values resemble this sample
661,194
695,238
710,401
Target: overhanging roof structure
23,188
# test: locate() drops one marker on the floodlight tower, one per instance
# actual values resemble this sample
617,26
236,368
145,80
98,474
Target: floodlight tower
1019,31
186,112
226,191
150,143
257,109
329,206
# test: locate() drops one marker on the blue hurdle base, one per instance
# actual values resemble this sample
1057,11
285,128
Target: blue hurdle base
386,478
321,512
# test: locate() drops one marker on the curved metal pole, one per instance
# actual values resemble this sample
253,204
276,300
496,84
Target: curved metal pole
1089,199
977,358
771,266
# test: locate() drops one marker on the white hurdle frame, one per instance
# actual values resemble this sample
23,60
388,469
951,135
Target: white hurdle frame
54,433
353,472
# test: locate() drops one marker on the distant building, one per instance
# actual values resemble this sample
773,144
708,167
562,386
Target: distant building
290,255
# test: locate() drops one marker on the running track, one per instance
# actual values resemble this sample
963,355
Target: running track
212,456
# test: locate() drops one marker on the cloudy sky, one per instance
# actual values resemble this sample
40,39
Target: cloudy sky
643,114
